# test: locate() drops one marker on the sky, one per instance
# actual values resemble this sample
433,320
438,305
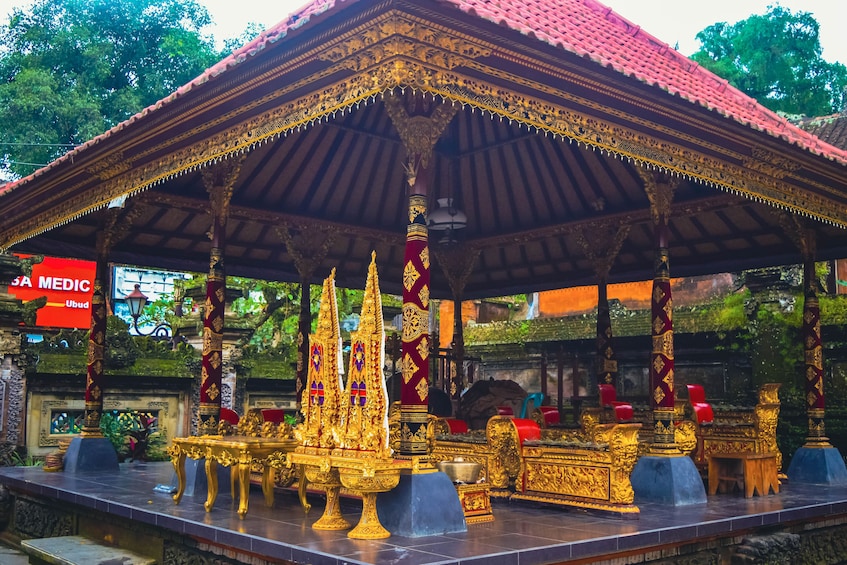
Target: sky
673,21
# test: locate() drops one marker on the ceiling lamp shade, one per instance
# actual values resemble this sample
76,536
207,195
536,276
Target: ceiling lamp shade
447,217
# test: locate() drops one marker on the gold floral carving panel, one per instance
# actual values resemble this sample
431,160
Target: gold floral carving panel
584,481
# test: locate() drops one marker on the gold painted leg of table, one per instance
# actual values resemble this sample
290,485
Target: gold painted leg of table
212,482
243,470
268,485
302,484
178,462
369,526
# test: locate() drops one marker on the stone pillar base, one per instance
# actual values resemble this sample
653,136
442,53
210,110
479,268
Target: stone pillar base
818,465
425,504
672,480
87,454
196,482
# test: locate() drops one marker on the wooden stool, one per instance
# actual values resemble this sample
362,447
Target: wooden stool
756,471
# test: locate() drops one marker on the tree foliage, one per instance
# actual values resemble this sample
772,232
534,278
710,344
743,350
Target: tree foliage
776,59
72,69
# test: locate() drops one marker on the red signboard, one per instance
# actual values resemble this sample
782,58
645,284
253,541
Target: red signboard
68,285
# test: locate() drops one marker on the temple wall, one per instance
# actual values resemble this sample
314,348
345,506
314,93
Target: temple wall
45,407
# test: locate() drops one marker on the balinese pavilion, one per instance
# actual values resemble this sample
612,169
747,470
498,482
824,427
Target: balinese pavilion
480,148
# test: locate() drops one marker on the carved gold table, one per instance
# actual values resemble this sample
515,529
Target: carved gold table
237,452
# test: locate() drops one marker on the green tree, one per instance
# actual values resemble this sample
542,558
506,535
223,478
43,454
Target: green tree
72,69
776,59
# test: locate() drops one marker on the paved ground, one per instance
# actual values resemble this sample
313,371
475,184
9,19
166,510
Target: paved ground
9,556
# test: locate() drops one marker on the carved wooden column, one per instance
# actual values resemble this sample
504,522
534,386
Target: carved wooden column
457,262
114,228
806,241
420,122
91,450
601,245
817,461
813,355
219,181
96,353
308,247
660,188
664,475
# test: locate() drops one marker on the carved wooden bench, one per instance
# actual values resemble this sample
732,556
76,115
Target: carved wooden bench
574,467
742,429
583,470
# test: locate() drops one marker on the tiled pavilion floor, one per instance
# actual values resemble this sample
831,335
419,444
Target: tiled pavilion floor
520,534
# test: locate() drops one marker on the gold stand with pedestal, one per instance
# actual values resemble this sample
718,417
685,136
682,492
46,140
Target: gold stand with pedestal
343,440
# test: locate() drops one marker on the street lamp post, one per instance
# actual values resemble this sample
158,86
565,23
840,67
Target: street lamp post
136,301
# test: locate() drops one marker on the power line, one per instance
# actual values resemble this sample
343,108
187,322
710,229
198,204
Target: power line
15,144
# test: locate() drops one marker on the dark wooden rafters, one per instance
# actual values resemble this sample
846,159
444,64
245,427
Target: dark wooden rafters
543,144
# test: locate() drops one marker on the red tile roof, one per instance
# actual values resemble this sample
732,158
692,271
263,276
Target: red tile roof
584,27
592,30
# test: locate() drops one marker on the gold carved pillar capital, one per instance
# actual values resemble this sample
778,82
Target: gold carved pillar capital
660,188
219,180
420,121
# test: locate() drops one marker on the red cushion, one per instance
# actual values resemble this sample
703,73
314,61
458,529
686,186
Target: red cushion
608,395
456,426
527,429
275,415
505,411
550,415
696,393
623,412
704,413
228,415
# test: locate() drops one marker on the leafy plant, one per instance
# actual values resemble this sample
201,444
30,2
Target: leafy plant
144,442
27,460
134,435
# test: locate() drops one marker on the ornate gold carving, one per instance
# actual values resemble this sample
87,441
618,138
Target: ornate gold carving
110,166
400,36
770,163
307,247
415,322
320,402
425,257
410,275
420,122
219,180
422,388
601,242
409,368
423,349
365,399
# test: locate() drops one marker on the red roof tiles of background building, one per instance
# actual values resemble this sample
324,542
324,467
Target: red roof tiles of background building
584,27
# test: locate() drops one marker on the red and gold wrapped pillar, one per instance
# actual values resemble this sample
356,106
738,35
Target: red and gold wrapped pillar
607,364
813,354
414,350
662,354
96,354
212,364
304,328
